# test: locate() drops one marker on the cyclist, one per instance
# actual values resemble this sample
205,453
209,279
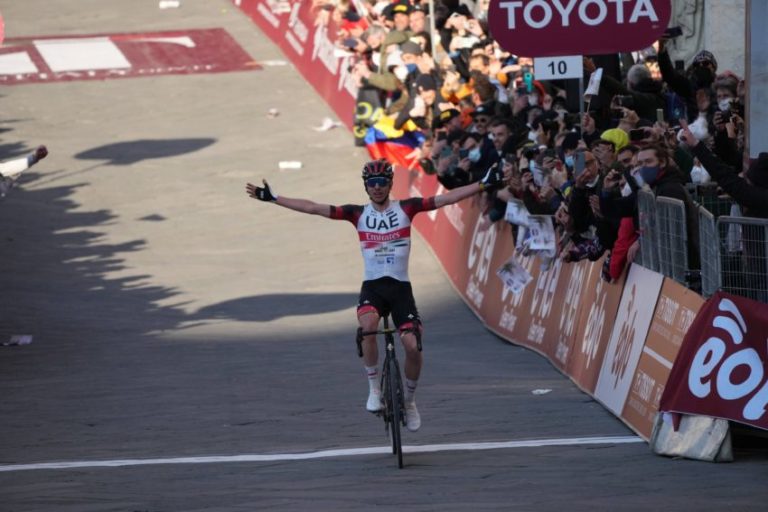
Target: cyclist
384,230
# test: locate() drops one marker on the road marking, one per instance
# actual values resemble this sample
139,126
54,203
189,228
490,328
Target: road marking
427,448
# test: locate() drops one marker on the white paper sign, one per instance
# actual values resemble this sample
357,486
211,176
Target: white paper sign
516,212
593,88
542,233
514,276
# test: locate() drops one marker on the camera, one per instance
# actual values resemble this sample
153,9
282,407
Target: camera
637,134
624,101
463,153
725,116
531,152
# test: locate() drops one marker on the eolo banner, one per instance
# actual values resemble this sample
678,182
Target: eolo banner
546,28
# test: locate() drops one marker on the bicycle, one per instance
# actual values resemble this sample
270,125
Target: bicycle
392,395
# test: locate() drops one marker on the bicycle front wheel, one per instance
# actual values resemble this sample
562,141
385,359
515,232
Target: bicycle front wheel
395,401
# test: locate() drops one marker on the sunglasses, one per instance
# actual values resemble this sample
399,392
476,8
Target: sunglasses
379,181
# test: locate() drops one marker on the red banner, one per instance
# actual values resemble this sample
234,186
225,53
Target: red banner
545,28
307,37
720,370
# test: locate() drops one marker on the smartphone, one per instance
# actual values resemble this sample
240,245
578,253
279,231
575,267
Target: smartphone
637,134
659,115
463,153
578,164
442,135
528,80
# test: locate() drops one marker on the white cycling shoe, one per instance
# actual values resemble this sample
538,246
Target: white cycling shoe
374,401
412,417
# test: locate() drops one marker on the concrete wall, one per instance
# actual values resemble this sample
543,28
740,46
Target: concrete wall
757,80
724,33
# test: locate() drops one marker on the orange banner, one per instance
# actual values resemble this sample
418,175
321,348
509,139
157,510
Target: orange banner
675,310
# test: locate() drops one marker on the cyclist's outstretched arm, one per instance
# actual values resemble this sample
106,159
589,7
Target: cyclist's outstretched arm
493,178
265,193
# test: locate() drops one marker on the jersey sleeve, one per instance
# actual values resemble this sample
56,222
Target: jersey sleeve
348,212
415,205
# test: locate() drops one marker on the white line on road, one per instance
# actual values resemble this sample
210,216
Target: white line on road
322,454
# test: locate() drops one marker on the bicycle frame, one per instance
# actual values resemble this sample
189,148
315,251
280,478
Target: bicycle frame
393,412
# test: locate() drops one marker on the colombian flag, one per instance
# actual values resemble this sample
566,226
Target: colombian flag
384,141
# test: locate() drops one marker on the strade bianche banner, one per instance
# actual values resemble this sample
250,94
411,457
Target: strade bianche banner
306,35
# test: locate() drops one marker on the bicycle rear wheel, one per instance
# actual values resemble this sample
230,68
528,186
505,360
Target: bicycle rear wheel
395,402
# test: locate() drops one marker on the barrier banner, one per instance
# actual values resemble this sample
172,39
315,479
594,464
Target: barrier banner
542,309
638,302
597,306
307,36
720,370
510,316
675,311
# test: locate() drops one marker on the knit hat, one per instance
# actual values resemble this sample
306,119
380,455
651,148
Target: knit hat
616,135
704,56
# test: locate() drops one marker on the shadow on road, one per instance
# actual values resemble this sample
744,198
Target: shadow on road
130,152
263,308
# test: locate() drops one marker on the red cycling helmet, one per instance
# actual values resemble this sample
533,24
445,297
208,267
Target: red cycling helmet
378,168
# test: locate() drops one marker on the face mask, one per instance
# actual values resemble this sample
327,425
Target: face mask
724,104
474,155
533,136
401,72
533,99
411,67
569,161
626,190
649,174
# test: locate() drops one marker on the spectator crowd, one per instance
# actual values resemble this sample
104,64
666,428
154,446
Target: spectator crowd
655,125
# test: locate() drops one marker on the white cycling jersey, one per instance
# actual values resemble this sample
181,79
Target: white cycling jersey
385,237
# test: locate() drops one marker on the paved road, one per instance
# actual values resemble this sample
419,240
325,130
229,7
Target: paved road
174,318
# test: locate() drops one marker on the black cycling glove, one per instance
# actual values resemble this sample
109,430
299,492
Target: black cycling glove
493,178
265,193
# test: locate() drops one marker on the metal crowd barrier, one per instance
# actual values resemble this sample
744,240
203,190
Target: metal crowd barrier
743,244
672,238
649,244
710,252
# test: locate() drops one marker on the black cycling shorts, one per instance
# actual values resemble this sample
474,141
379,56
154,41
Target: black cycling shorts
389,295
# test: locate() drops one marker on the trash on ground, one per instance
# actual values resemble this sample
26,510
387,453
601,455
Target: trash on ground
274,63
272,113
18,339
169,4
541,391
327,124
289,164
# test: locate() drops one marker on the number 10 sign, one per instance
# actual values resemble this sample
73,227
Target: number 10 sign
556,68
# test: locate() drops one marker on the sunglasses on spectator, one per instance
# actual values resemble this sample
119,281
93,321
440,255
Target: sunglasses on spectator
378,181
